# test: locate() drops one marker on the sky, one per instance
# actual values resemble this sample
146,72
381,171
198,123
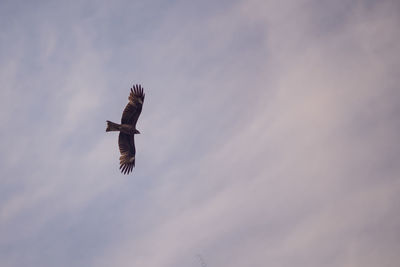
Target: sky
269,133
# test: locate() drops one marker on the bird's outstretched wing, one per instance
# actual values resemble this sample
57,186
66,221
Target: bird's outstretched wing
134,108
127,149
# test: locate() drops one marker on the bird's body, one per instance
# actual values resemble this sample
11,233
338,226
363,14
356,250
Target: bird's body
127,129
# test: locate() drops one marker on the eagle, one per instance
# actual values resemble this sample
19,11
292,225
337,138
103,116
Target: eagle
127,129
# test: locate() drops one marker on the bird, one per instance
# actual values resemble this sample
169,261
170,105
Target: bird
127,129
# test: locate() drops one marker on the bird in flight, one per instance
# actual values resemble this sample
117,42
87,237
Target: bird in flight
127,129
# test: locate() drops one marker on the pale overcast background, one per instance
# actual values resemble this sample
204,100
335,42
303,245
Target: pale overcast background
270,133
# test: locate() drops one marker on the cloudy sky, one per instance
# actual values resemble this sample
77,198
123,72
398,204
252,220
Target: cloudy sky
270,133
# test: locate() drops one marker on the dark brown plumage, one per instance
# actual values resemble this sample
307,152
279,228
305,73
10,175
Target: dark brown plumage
127,129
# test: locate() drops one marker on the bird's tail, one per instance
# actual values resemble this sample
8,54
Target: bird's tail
111,126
